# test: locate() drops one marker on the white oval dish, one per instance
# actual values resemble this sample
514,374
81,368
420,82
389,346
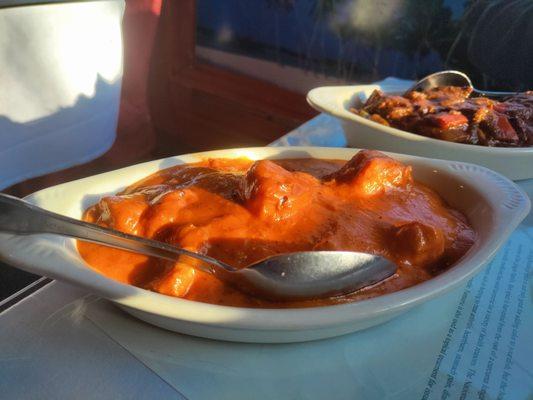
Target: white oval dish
515,163
494,205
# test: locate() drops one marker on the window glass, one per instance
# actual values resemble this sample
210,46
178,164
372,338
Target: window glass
367,40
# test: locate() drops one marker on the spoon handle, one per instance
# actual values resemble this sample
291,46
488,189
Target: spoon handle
494,95
20,217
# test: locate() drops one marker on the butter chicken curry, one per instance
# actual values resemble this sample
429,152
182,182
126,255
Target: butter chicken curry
240,211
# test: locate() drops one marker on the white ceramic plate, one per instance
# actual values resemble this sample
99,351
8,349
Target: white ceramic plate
493,204
515,163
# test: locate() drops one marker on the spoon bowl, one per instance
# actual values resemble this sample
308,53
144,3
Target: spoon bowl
310,274
301,275
454,78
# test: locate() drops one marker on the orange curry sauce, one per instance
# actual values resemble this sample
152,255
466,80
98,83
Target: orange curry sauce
241,211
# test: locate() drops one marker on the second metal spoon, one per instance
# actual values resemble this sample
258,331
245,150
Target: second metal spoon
454,78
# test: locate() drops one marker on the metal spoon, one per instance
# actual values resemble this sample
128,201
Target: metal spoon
301,275
454,78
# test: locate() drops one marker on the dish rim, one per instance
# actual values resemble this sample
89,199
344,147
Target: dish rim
336,108
302,318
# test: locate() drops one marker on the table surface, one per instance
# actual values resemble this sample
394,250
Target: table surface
57,341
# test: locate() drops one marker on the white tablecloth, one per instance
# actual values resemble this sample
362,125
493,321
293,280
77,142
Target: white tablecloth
60,81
